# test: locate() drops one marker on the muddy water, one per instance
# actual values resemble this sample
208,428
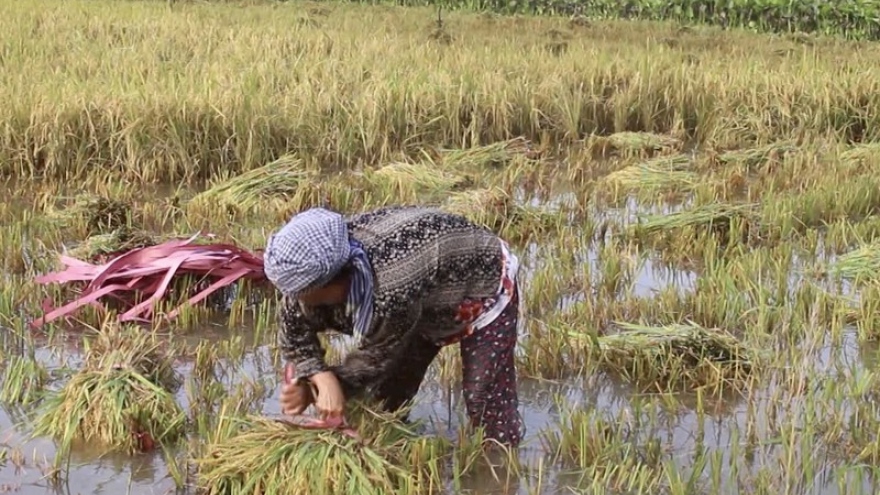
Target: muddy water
683,430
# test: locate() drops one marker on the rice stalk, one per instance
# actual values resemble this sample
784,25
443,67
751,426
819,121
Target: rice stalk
262,456
675,357
496,209
121,399
23,380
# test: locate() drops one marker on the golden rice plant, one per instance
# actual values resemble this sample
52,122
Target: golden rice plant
256,455
97,214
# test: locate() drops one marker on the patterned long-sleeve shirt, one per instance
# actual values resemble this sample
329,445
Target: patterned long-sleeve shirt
425,262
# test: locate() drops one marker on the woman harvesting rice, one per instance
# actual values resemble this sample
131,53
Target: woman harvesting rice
407,281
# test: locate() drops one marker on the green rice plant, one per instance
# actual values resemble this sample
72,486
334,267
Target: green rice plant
23,380
266,456
121,399
676,357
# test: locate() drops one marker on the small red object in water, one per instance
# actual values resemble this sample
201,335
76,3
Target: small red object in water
150,270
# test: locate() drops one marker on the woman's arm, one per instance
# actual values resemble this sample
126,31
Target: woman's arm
298,337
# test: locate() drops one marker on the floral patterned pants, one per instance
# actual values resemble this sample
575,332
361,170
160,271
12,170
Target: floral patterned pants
489,376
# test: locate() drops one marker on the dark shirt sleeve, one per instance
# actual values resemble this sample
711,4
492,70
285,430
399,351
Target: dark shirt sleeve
371,361
298,337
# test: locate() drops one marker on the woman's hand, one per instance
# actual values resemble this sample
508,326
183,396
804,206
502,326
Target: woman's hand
296,397
331,401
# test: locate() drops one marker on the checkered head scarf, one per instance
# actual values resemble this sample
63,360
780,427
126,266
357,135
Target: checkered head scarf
307,252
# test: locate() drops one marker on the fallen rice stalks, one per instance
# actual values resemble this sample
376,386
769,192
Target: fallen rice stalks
496,209
752,158
859,265
714,216
100,246
659,173
121,398
678,356
491,155
283,178
632,144
98,214
411,181
267,457
150,271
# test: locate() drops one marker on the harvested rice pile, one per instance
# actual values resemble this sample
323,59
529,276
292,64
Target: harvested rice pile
97,214
281,180
655,174
497,154
100,246
410,182
495,208
681,356
859,265
262,456
632,144
121,399
757,156
713,216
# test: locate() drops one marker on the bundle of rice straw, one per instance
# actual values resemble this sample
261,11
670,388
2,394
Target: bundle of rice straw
859,265
121,399
491,155
282,179
632,143
676,356
411,181
150,271
757,156
100,246
495,209
97,213
715,216
654,174
272,457
860,153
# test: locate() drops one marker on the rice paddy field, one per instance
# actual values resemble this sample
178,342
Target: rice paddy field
694,207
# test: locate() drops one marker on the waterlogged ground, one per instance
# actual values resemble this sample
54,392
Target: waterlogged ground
661,176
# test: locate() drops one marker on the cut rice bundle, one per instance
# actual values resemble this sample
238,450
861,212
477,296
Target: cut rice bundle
407,182
121,399
98,214
150,271
263,456
283,178
655,174
491,155
678,356
860,265
712,216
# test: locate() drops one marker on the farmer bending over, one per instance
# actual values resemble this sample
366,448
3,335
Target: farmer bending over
406,281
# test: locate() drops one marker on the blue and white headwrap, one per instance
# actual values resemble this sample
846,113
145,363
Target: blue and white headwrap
309,251
360,293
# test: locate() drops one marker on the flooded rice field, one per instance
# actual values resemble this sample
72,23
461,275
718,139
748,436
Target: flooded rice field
695,210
